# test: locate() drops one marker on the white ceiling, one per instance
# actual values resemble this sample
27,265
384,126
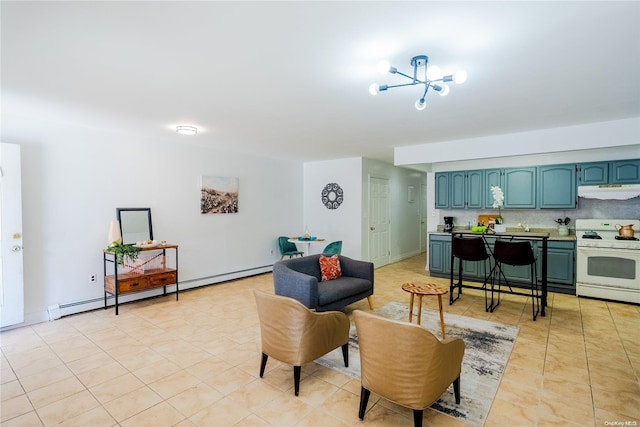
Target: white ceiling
290,79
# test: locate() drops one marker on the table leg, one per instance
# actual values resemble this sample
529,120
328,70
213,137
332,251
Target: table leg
419,309
441,316
410,308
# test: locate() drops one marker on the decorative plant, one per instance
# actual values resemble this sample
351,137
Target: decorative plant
498,201
124,252
565,221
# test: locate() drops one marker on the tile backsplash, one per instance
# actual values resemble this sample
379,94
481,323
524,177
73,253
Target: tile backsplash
545,218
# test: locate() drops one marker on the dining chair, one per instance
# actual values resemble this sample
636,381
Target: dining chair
333,248
287,248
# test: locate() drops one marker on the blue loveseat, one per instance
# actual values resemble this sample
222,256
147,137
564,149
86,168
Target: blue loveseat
300,278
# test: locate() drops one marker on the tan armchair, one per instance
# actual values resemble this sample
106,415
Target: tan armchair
293,334
406,364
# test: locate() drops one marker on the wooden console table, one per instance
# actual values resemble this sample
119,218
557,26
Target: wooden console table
141,279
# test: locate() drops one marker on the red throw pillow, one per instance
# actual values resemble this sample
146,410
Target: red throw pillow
330,267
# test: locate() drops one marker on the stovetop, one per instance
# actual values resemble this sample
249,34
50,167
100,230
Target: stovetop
603,233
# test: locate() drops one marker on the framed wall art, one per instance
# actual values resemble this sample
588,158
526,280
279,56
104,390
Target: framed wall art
219,194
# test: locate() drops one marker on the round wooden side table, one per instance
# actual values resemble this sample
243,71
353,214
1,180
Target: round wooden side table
421,289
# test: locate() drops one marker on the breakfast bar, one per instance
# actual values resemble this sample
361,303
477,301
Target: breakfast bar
539,244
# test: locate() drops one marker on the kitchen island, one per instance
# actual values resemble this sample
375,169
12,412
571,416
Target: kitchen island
555,254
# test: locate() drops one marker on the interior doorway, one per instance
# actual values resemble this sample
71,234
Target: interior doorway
11,272
379,208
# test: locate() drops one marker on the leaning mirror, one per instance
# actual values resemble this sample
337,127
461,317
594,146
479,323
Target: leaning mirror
135,224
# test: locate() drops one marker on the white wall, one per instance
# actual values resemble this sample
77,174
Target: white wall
74,179
334,224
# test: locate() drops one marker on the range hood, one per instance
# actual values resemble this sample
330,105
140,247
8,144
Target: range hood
609,192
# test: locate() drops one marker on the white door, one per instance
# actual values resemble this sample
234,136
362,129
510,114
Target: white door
11,286
379,221
423,218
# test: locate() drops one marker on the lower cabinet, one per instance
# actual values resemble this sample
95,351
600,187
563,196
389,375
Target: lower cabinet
561,264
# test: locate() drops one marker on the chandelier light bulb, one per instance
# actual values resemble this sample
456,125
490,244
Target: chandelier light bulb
374,89
384,67
444,91
421,104
434,72
460,76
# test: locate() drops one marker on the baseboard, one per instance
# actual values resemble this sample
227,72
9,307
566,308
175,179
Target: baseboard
67,309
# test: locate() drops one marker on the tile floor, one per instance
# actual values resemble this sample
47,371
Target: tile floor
195,362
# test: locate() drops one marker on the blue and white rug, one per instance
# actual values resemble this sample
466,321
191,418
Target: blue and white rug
488,347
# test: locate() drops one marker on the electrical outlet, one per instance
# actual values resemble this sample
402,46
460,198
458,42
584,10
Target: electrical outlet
92,278
270,251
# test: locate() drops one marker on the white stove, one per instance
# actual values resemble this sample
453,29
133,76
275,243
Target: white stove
608,266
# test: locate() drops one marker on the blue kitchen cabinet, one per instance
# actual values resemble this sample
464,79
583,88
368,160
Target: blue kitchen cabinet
624,172
457,194
492,178
442,190
557,187
519,188
440,254
594,173
614,172
474,189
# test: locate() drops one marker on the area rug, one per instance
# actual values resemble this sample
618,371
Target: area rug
488,346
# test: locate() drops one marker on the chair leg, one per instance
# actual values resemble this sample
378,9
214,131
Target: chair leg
417,417
296,379
456,389
364,399
345,354
263,364
370,301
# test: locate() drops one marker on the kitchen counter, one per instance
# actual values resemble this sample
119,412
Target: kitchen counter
515,231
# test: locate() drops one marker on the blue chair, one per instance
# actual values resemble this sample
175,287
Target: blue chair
287,248
333,248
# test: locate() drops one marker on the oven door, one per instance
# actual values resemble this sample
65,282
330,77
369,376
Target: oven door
614,268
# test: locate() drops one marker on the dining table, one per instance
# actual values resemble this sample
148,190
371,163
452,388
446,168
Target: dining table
306,243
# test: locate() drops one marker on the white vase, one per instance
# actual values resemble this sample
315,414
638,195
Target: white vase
500,228
563,230
114,233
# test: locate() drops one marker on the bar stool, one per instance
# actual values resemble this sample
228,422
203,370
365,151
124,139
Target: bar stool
467,249
516,253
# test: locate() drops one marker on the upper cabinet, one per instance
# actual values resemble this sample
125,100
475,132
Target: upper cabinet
442,190
616,172
519,188
459,190
557,187
517,184
624,172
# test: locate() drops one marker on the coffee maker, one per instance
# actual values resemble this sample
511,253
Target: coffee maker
448,224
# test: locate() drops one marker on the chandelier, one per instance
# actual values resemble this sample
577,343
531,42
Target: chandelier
430,77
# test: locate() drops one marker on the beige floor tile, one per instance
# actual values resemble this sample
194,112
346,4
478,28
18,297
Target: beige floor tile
132,403
14,407
97,417
11,389
174,384
285,410
30,419
116,387
567,408
160,415
67,408
223,412
54,392
195,399
230,380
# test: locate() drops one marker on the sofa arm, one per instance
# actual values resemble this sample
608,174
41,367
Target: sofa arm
355,268
296,285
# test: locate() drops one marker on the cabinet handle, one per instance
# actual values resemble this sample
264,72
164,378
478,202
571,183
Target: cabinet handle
134,284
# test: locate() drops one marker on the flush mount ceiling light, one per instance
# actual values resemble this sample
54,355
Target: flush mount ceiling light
186,130
429,77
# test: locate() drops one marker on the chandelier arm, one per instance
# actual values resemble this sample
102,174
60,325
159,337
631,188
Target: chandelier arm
406,84
407,76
